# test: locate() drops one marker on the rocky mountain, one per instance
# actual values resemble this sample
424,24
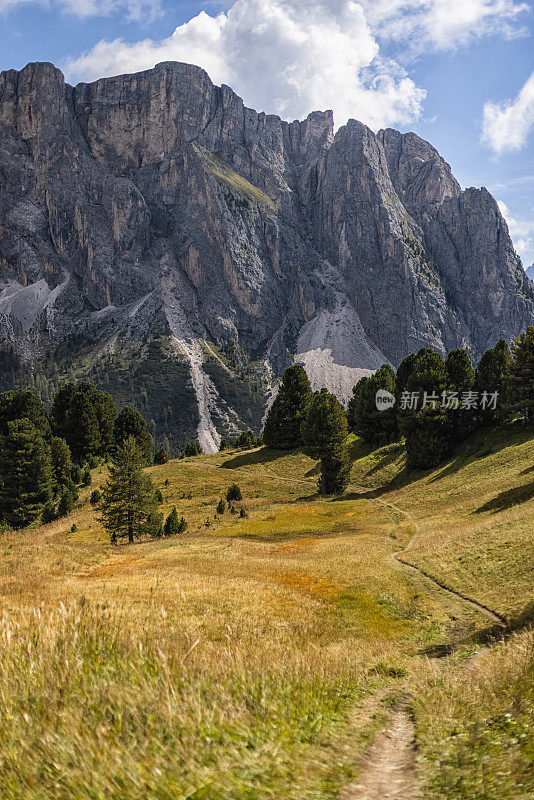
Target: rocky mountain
181,250
530,272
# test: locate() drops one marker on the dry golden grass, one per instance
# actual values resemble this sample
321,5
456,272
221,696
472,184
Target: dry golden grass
228,662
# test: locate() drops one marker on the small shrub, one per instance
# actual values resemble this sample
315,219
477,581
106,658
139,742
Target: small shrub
234,493
96,497
76,475
73,528
242,513
173,525
154,524
158,495
86,477
221,506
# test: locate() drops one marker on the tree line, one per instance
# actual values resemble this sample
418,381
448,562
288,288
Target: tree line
45,458
430,402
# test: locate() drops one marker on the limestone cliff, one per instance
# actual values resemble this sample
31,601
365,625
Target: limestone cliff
156,206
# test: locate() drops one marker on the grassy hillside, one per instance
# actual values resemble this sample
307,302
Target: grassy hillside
256,657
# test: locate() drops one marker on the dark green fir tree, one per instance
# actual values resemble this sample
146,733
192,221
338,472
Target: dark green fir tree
284,420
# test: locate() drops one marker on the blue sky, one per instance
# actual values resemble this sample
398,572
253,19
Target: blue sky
458,72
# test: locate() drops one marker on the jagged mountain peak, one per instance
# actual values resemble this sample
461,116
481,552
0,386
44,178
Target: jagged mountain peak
157,207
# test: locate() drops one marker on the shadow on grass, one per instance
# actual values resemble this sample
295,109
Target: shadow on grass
484,638
523,620
482,444
512,497
253,457
287,536
391,455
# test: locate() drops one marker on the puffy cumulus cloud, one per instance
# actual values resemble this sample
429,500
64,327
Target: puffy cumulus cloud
506,126
521,231
134,9
288,57
443,24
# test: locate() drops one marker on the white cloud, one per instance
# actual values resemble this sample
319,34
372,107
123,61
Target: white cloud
522,233
283,56
506,125
134,9
443,24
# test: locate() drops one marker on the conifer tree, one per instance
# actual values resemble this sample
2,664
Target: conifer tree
131,423
84,416
460,379
356,402
491,376
521,378
105,412
324,431
427,428
128,497
367,420
335,470
234,493
23,404
284,420
25,473
83,428
172,524
61,460
460,375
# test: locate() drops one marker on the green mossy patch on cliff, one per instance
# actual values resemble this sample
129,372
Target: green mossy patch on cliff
228,178
242,388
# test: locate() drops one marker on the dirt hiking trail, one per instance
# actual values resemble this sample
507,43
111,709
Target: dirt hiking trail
388,768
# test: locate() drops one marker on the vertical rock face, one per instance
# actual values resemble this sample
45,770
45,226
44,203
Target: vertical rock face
157,205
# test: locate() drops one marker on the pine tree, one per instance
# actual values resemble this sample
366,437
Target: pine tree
354,410
460,375
335,470
521,379
492,373
367,420
61,423
66,502
324,431
172,524
284,420
460,379
25,473
193,449
325,422
61,460
428,430
131,423
428,437
128,499
105,412
23,404
234,494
